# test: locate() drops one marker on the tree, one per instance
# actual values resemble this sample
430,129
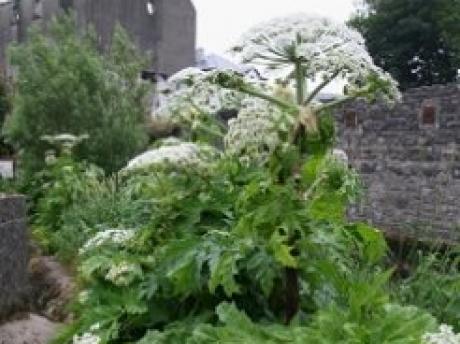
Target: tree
65,85
417,41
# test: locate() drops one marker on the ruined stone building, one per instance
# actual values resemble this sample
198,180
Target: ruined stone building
409,160
165,28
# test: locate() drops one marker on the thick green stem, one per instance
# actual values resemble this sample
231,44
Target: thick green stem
238,84
292,294
320,87
359,93
300,82
291,275
291,108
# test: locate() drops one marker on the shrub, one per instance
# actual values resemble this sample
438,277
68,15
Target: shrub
65,85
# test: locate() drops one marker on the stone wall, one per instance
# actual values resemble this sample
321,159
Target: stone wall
409,159
13,255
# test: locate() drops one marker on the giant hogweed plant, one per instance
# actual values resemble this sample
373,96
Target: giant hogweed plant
234,251
57,187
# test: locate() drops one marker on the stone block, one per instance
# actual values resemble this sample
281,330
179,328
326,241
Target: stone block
12,207
13,255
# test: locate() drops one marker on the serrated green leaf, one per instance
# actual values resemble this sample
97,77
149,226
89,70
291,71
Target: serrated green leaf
223,268
281,251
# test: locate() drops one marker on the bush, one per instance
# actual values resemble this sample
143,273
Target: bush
65,85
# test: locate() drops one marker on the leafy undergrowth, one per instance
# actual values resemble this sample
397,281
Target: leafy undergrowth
202,255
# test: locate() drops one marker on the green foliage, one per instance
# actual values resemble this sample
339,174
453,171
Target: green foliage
8,186
225,235
417,41
434,285
62,184
389,324
392,325
64,85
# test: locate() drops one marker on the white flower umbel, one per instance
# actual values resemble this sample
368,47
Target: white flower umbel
445,335
65,142
181,153
255,133
122,274
324,48
83,296
340,155
108,236
189,94
86,338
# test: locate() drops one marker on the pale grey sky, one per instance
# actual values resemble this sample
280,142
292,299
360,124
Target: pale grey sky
221,22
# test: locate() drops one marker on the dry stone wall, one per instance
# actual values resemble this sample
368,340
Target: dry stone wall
409,158
13,255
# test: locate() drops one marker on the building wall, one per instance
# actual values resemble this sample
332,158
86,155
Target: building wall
31,11
168,34
177,23
7,30
104,15
411,170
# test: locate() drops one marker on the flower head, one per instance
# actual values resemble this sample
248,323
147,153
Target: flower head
65,142
189,92
122,274
108,236
322,46
255,133
86,338
175,153
445,335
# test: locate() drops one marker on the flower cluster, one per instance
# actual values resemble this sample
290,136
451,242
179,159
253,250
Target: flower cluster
180,153
445,335
64,142
122,274
324,47
189,93
108,236
86,338
340,155
255,133
83,296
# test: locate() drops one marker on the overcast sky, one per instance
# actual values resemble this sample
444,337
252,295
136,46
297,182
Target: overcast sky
221,22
